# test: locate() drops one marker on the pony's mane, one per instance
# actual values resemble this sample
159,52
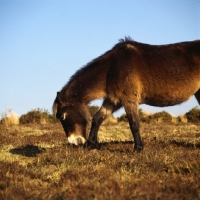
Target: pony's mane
91,64
126,40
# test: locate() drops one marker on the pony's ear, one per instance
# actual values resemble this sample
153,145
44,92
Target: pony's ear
59,98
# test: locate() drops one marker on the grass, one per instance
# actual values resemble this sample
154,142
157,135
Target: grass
37,163
9,117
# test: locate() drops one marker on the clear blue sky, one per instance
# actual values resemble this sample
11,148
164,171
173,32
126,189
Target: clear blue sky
43,43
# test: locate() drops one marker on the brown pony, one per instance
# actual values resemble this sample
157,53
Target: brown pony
129,74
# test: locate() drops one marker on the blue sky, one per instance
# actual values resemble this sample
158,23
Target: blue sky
43,43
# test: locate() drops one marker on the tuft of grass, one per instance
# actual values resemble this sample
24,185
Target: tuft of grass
182,118
9,118
110,120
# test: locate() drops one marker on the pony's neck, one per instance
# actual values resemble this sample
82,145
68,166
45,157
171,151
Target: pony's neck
88,83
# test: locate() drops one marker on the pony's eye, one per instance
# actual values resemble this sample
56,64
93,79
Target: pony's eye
63,116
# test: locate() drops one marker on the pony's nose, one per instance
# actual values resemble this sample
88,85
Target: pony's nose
77,140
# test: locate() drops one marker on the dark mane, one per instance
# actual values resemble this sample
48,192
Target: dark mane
126,40
83,70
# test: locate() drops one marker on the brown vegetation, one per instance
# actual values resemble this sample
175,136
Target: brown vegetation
37,116
37,163
192,116
9,117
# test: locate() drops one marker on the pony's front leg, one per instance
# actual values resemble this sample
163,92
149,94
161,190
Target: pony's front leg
106,109
133,118
92,141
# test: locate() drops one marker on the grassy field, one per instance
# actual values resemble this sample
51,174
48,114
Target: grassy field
37,163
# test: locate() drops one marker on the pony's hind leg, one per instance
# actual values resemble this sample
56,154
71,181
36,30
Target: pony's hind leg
197,95
106,109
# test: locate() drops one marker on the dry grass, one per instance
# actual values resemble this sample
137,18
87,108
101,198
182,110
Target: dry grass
183,118
110,120
37,163
9,117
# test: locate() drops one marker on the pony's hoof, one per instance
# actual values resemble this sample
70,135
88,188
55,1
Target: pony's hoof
90,145
138,148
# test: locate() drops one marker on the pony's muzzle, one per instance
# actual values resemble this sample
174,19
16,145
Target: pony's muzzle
77,140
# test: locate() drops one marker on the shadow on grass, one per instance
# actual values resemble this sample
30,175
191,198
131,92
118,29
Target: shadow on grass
101,144
127,146
28,150
104,144
185,144
112,146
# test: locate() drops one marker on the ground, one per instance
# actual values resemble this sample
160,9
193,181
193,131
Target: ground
37,163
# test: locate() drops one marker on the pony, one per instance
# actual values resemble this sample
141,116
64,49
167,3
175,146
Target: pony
129,74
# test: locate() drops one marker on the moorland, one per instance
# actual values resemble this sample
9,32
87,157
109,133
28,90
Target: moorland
36,162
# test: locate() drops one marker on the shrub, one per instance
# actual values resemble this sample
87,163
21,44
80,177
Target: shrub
146,118
182,118
143,116
122,118
162,116
110,120
93,110
9,117
193,115
37,116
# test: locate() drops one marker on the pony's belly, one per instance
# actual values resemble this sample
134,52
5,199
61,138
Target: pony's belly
169,96
161,101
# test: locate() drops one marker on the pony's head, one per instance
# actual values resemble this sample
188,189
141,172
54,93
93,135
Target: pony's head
74,118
